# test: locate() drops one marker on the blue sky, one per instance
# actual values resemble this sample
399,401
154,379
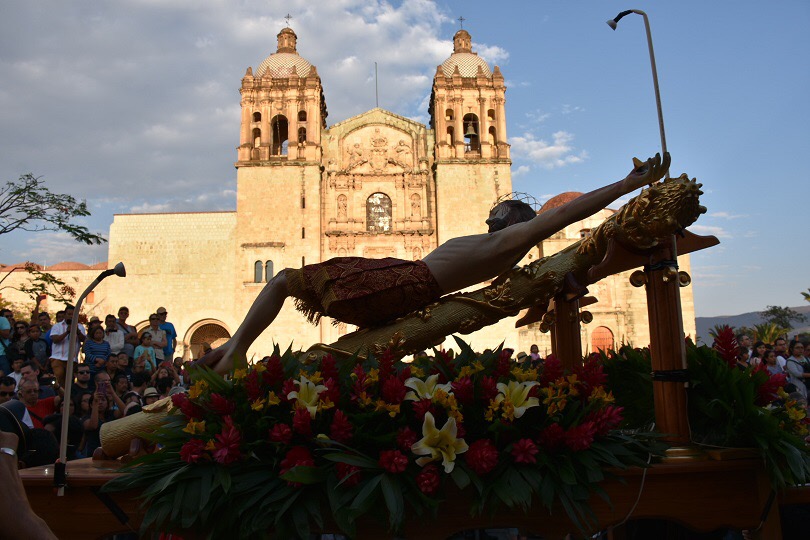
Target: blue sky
134,106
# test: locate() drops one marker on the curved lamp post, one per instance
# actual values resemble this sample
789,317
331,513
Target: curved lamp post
613,23
59,476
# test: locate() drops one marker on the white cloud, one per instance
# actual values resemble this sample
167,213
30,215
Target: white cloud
727,215
568,109
712,230
557,153
520,171
49,248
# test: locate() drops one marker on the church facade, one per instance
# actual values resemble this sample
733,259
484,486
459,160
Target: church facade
375,185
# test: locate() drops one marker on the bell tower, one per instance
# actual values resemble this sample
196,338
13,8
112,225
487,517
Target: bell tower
467,114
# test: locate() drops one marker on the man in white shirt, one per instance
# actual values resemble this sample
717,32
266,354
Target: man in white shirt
113,334
61,344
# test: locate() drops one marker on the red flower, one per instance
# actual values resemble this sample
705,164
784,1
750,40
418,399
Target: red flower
444,366
406,437
281,433
187,407
341,429
464,390
329,368
332,391
275,371
523,451
302,422
193,451
405,374
504,365
482,456
489,388
226,446
297,456
726,345
580,437
766,392
551,438
349,475
220,405
606,419
422,407
386,365
428,479
393,461
591,374
393,391
286,388
552,370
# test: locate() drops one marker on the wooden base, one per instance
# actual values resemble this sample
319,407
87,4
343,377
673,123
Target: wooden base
702,496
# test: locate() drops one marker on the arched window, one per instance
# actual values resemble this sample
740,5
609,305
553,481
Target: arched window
279,129
378,213
601,339
448,115
302,135
257,138
268,270
451,139
491,115
257,117
493,141
472,130
302,116
257,271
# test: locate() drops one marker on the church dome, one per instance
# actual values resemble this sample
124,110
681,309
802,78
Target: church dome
286,60
559,200
464,59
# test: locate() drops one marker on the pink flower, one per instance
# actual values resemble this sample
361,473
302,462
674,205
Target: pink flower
286,388
275,371
489,388
482,456
428,479
332,391
193,451
393,391
580,437
302,422
349,474
551,438
281,433
187,407
329,368
523,451
464,390
406,437
422,407
221,405
341,429
504,364
226,446
393,461
552,370
606,419
297,456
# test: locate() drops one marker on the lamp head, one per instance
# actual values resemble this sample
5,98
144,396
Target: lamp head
612,23
119,270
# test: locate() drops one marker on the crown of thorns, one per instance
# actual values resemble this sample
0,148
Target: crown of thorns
519,196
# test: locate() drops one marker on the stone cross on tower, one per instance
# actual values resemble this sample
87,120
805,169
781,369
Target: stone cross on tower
287,18
461,21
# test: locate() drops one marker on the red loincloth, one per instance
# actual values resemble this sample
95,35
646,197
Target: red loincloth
364,292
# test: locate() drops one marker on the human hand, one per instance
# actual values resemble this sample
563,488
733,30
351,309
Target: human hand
646,172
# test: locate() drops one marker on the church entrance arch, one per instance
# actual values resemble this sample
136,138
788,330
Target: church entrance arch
210,331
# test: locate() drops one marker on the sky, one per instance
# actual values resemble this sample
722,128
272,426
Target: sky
133,105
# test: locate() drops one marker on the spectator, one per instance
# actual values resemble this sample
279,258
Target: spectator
113,334
37,408
139,383
798,367
742,358
771,364
60,348
164,386
84,382
100,412
104,384
166,371
53,423
131,340
83,401
96,347
123,364
9,315
146,352
60,316
744,342
5,341
780,348
150,396
158,337
181,371
120,386
171,333
757,351
30,371
111,366
19,337
139,367
44,321
8,389
36,347
16,366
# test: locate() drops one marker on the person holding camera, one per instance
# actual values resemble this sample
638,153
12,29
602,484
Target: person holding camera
38,408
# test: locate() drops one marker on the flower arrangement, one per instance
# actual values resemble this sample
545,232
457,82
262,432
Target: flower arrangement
729,407
284,446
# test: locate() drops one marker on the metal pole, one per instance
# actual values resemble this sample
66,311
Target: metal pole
655,82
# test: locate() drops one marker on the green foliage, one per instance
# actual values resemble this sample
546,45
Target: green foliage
630,380
41,285
768,332
806,295
26,204
782,317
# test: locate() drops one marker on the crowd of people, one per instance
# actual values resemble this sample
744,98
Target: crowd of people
780,357
117,370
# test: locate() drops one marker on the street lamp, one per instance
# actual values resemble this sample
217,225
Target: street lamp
59,476
613,23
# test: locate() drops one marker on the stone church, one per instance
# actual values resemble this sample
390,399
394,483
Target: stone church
375,185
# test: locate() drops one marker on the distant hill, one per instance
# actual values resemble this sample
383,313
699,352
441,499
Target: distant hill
704,324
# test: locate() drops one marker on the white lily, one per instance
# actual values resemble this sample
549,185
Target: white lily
517,394
425,389
307,395
436,444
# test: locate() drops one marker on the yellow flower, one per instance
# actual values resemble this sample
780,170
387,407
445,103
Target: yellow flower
372,376
258,405
325,404
258,367
195,427
197,389
239,374
439,444
273,399
210,445
307,395
425,389
522,375
599,394
517,395
466,371
417,371
315,377
381,405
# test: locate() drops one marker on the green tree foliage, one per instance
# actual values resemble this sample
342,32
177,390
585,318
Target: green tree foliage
782,316
769,332
806,295
26,204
